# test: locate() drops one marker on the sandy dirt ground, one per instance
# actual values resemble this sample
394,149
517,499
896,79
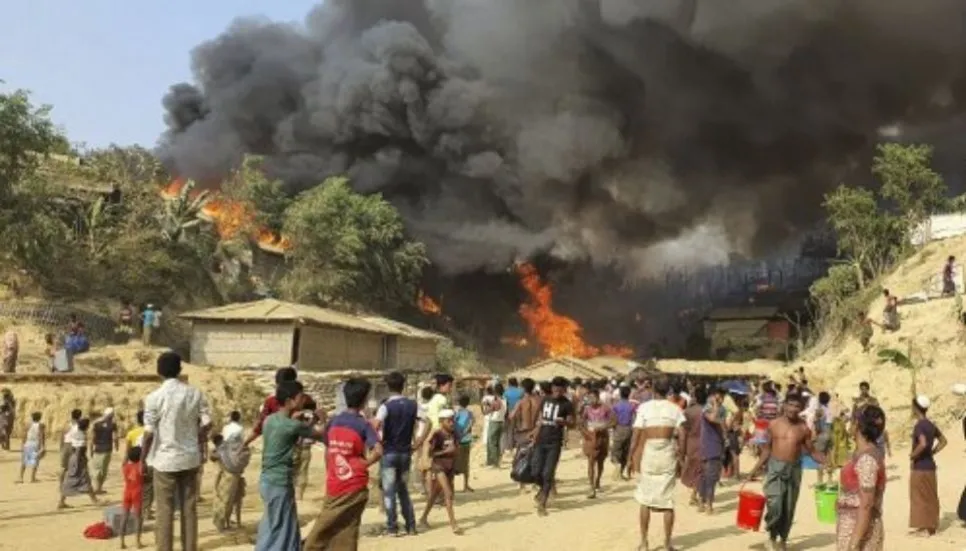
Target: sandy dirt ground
496,516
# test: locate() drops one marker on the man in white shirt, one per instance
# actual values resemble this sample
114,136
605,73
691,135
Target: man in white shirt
175,419
66,444
234,428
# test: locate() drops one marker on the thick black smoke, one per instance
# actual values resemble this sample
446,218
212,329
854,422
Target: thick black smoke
624,132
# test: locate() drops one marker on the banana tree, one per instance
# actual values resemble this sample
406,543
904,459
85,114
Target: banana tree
94,225
182,213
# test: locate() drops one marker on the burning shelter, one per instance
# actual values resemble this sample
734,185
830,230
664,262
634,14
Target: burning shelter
275,333
760,325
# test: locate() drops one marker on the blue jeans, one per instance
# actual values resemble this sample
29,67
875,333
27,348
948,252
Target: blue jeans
395,483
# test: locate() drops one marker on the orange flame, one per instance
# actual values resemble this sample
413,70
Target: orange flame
231,217
557,334
427,305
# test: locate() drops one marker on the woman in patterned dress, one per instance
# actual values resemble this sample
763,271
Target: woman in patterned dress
862,486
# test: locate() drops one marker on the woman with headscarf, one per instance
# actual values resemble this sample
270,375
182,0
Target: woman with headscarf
927,441
11,349
862,487
691,469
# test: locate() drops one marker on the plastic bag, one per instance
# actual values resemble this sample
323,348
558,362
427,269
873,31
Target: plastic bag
522,471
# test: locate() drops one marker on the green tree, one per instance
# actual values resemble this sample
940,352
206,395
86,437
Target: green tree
869,238
26,136
909,181
124,167
350,250
872,231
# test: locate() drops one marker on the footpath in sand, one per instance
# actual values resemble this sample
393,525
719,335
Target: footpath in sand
496,516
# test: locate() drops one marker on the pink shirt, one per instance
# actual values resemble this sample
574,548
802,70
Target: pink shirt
597,417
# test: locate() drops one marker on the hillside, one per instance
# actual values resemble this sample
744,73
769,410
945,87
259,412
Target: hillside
930,327
225,390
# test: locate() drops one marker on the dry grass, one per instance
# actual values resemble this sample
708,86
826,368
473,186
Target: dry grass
226,391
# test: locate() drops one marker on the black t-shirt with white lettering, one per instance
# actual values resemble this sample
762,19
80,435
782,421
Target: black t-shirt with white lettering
552,409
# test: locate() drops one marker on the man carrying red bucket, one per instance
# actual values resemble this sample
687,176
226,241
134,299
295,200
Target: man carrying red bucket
766,411
788,439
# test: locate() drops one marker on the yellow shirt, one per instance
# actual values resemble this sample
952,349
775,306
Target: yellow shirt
436,404
135,436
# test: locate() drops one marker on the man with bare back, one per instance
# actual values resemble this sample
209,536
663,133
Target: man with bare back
656,444
788,439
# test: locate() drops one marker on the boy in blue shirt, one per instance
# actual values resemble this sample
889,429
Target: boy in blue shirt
464,432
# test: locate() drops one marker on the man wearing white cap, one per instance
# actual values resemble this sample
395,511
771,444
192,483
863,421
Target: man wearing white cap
927,441
104,442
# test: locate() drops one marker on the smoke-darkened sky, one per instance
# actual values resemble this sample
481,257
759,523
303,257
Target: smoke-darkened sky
626,133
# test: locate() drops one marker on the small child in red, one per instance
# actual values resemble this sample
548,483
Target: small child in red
133,489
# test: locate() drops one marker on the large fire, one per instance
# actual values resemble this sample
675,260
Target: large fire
231,218
557,334
427,305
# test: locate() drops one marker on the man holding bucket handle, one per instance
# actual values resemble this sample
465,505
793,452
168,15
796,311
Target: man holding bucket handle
788,438
655,456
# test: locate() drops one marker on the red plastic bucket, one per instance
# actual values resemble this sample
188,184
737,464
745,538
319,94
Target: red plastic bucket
751,507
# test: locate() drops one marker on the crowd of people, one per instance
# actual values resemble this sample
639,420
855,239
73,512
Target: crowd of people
659,429
664,430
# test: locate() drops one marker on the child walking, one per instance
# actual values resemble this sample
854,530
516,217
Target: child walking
232,458
33,448
443,447
596,422
464,431
133,494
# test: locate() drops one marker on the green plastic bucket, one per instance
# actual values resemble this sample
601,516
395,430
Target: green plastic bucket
826,498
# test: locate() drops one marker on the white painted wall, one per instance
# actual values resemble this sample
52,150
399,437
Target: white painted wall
939,226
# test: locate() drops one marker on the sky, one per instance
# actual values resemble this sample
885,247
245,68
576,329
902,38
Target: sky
104,65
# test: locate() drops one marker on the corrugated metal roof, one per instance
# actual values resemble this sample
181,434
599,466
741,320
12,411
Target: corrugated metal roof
274,310
405,329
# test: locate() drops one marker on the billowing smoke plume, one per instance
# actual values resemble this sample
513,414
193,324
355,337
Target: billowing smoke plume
627,132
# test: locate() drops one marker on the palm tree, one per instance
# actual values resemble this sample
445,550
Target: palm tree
182,214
